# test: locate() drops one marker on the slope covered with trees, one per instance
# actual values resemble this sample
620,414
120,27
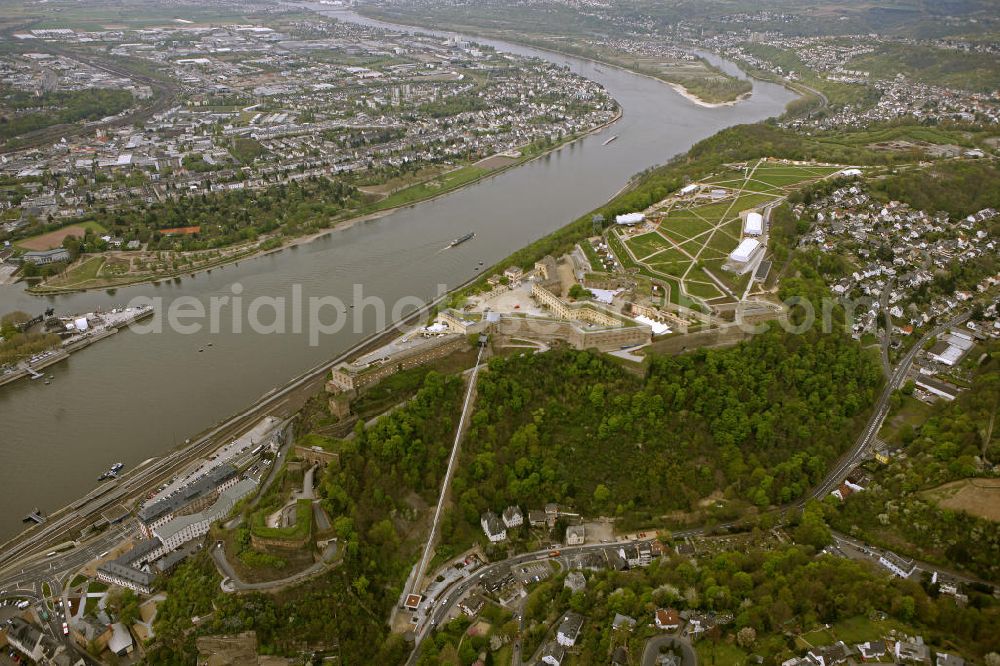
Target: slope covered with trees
385,476
760,422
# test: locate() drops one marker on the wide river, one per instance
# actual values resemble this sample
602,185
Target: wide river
134,396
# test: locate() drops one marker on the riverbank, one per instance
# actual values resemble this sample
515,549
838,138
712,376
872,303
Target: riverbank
475,32
397,257
372,212
74,345
694,99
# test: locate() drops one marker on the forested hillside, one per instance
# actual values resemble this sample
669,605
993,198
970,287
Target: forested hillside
386,475
760,422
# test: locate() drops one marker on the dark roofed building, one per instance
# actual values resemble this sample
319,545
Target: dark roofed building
190,499
43,257
130,570
569,629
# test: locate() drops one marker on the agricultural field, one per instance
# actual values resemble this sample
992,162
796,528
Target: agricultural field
980,497
693,236
54,239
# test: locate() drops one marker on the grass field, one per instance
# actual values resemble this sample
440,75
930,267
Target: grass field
852,631
980,497
911,412
708,230
444,183
54,239
720,654
80,276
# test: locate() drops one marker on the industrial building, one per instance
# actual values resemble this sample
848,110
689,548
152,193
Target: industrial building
950,349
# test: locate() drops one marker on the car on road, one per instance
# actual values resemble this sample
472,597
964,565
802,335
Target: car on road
65,628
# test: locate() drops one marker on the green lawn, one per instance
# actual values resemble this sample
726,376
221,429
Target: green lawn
646,244
675,268
701,289
852,631
444,183
78,275
688,224
911,412
719,654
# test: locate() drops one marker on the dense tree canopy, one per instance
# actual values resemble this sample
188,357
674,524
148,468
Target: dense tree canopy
760,422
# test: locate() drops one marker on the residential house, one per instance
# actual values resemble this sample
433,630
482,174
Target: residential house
121,640
913,651
623,621
899,566
494,580
553,654
473,604
88,631
493,527
829,655
569,629
871,650
575,535
667,619
512,517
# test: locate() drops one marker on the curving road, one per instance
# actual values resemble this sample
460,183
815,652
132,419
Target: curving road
232,583
896,379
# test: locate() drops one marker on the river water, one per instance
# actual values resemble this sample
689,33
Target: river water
134,396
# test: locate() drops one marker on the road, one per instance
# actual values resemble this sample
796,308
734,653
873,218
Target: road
864,440
232,582
451,596
652,649
840,539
